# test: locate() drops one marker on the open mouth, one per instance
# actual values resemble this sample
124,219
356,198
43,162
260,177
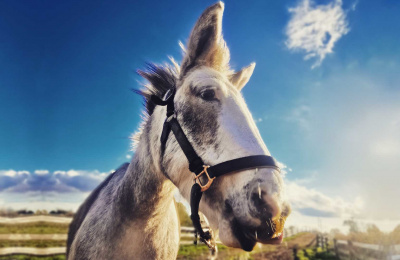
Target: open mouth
248,236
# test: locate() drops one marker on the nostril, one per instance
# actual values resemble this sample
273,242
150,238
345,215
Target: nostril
262,208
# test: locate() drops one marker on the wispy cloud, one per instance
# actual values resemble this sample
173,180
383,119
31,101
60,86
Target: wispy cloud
12,181
354,134
23,189
43,189
311,202
314,29
258,120
41,172
300,115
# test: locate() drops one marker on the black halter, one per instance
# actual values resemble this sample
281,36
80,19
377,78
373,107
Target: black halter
198,167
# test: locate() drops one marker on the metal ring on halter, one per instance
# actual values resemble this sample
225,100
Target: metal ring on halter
209,181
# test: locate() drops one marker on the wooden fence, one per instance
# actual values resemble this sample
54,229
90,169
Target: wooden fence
346,249
33,219
188,236
320,241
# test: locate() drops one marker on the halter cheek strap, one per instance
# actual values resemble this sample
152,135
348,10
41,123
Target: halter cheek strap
198,167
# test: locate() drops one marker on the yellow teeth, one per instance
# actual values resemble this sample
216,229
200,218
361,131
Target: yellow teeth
279,224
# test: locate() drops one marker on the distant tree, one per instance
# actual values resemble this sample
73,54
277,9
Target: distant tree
69,213
373,229
41,212
292,230
395,235
334,232
8,212
183,215
353,227
58,212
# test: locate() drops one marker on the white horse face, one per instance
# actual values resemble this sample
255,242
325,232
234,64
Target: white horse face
246,206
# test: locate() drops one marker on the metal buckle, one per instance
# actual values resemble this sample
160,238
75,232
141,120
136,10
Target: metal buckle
209,181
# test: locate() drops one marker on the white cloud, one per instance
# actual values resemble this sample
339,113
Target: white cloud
300,115
258,120
9,173
128,156
311,202
325,224
72,173
283,167
315,29
41,172
43,181
13,173
43,189
352,138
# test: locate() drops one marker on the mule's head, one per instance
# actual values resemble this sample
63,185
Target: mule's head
246,206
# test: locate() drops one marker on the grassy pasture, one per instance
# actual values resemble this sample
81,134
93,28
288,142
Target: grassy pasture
190,252
34,228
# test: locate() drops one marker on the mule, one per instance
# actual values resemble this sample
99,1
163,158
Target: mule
132,214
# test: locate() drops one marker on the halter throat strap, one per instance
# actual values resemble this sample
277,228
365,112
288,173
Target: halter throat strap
198,167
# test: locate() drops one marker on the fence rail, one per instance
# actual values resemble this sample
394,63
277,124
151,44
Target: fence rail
32,251
188,234
34,219
346,249
25,237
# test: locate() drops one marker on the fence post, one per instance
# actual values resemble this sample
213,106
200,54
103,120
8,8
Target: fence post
327,244
336,248
295,253
305,253
351,249
316,245
386,252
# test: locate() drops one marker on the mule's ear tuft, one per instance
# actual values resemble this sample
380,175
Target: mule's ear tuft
206,45
240,78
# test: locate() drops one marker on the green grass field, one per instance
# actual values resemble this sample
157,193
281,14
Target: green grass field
34,228
32,243
190,252
24,257
311,254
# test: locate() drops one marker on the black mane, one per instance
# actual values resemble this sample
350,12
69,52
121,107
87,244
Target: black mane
160,78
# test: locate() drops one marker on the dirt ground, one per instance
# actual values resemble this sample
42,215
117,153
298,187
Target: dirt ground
281,252
285,251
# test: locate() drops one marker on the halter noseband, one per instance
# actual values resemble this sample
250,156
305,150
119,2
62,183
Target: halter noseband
198,167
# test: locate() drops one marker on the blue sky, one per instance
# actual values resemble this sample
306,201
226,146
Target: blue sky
66,70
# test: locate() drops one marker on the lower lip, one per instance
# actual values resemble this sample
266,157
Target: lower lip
274,241
279,239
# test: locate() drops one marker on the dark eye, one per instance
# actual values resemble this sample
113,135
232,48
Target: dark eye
208,94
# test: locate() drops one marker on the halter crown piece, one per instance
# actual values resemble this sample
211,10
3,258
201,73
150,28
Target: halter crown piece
198,167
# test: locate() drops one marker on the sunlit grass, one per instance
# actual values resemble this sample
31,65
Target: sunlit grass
34,228
32,243
25,257
312,254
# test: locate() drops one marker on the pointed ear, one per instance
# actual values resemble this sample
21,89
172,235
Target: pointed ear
240,78
206,45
